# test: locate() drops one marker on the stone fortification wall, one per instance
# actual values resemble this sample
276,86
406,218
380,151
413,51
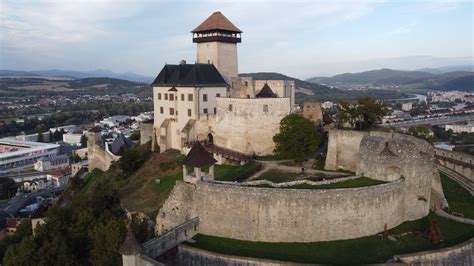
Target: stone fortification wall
146,133
459,162
461,254
390,159
285,215
97,155
248,125
343,149
388,156
197,257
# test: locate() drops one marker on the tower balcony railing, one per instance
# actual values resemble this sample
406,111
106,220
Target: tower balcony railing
217,38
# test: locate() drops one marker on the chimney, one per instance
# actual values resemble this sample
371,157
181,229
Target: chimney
182,62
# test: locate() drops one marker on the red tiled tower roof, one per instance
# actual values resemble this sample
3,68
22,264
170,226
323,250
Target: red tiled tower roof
216,21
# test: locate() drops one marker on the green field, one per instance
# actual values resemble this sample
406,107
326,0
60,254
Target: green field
369,249
459,199
277,176
358,182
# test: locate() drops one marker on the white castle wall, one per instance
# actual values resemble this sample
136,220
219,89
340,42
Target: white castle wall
247,128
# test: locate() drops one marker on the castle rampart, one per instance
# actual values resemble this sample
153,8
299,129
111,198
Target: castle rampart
286,215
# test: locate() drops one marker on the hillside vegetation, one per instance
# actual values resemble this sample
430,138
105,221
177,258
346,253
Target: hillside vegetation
38,86
457,80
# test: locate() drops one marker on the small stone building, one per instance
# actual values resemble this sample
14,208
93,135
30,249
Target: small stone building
198,158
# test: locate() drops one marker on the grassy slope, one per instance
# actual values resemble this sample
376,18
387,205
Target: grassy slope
142,193
459,199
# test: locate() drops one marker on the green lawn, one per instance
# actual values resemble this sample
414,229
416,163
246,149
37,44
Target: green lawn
459,199
231,172
355,251
358,182
267,158
277,176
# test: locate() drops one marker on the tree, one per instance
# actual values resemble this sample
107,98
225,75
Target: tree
57,135
141,228
106,241
40,137
83,141
298,138
8,188
135,135
75,158
362,115
422,132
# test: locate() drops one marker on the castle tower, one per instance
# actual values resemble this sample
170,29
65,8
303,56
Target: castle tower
217,40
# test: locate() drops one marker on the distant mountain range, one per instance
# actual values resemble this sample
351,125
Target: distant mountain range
78,74
457,80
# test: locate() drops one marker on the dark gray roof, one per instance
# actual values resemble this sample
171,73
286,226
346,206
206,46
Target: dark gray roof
266,92
130,245
120,145
198,157
190,75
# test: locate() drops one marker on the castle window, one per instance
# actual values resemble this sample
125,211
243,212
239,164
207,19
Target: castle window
265,108
205,110
159,96
182,97
215,111
218,95
189,112
171,97
171,111
204,97
161,110
190,97
166,96
230,107
246,84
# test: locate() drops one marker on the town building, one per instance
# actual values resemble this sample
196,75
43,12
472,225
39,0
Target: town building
31,137
114,121
327,105
407,106
208,101
72,138
48,163
16,155
461,128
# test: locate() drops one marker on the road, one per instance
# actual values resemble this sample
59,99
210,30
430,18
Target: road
432,121
18,202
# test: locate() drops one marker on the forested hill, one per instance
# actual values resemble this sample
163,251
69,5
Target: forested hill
306,91
457,80
42,86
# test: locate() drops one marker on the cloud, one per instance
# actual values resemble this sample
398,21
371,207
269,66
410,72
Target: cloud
444,5
48,26
404,29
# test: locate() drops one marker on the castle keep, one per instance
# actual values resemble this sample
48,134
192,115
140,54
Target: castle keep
208,101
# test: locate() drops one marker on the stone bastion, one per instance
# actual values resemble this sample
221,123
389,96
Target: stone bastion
311,215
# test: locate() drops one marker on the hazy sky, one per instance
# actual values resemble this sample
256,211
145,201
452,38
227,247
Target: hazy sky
299,38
